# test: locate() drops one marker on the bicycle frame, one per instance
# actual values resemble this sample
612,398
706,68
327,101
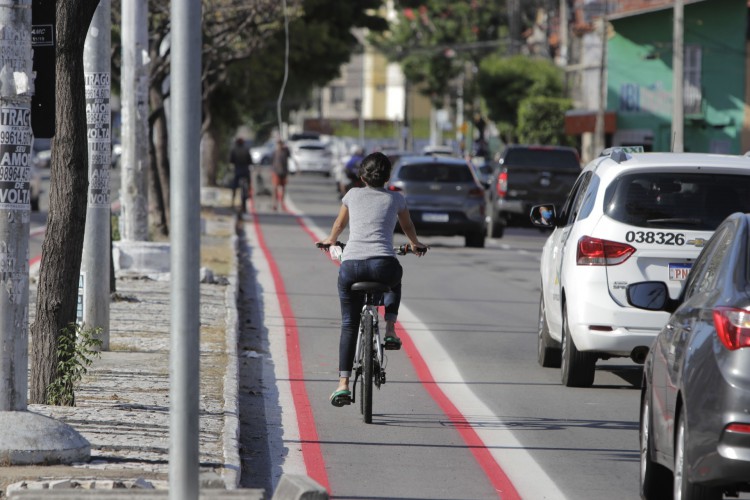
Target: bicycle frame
369,315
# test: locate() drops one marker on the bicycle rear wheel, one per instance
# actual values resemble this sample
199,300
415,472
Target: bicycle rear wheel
244,193
367,368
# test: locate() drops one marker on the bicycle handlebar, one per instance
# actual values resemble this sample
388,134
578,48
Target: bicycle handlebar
400,250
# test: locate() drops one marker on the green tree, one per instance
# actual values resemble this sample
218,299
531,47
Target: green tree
541,120
320,41
506,81
243,69
434,41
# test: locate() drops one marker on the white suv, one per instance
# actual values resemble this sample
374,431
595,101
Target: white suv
630,216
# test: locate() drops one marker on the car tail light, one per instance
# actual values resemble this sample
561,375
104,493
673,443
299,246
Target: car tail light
598,252
732,327
502,184
476,192
740,428
391,187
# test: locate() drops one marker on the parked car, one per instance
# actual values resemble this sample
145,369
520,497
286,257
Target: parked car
528,175
444,197
263,154
438,150
629,218
695,398
309,155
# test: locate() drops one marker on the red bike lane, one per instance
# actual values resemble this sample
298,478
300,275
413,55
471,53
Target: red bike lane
419,444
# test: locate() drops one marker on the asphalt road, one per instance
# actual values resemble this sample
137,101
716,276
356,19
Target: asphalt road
467,412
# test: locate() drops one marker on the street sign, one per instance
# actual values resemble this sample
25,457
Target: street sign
43,42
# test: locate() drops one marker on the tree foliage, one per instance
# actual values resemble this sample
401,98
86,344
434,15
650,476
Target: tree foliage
436,40
506,81
541,120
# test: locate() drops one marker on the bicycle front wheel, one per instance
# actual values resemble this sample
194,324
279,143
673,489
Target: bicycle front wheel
368,356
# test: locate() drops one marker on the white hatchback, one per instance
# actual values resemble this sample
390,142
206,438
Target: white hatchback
310,155
629,217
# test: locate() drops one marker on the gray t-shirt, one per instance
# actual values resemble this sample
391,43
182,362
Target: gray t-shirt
373,214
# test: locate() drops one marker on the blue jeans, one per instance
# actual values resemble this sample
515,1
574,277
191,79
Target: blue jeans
381,269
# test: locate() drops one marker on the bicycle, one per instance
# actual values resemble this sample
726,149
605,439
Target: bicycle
244,186
369,357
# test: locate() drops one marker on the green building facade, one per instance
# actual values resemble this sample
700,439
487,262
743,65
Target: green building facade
639,77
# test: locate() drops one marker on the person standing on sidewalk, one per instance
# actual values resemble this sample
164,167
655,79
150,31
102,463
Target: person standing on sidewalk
280,172
240,157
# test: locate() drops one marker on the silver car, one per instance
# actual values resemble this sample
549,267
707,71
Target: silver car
444,196
695,403
310,155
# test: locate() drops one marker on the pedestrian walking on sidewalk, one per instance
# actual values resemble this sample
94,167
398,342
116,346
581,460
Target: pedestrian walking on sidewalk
280,172
241,159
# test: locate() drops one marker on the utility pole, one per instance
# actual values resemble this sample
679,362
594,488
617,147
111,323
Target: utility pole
600,142
96,241
134,82
16,138
678,76
563,56
514,25
460,138
184,360
25,437
362,97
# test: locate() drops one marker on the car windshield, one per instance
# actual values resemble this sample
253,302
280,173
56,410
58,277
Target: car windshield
436,172
534,157
675,200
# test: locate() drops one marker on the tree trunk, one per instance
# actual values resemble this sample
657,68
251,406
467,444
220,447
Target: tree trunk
159,158
209,149
63,242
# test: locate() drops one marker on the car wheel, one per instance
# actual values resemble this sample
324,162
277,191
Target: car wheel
475,239
495,228
576,367
683,488
656,482
548,355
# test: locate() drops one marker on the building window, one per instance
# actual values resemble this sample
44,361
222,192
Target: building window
692,89
337,94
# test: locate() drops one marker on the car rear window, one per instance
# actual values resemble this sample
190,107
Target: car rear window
436,172
695,201
540,157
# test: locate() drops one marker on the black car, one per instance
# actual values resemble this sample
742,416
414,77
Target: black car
528,175
444,196
695,400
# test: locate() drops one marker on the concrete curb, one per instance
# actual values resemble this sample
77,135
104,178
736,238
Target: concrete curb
232,466
299,487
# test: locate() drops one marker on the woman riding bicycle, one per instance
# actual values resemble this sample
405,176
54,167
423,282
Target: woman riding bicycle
371,213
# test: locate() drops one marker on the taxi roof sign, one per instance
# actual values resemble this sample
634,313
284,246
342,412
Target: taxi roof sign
620,153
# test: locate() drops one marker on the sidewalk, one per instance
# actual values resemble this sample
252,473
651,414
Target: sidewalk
122,405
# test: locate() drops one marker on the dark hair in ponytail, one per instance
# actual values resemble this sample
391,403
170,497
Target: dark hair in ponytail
375,169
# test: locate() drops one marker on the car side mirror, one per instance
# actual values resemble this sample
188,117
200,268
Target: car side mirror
651,296
543,216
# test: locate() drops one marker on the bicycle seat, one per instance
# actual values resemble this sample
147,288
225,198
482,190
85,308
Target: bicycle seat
370,286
